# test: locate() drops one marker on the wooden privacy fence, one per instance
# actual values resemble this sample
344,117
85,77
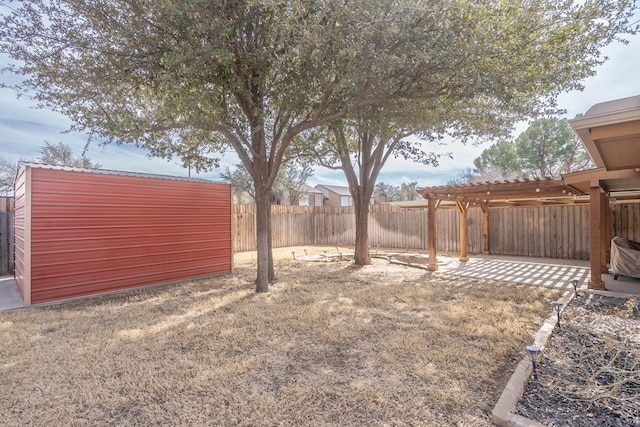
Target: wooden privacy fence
539,231
6,236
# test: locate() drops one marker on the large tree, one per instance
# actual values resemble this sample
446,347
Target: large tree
548,147
360,146
255,74
249,74
498,162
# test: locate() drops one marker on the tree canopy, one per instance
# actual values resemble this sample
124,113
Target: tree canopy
256,74
547,148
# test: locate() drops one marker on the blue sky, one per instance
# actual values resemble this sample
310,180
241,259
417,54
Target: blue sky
24,129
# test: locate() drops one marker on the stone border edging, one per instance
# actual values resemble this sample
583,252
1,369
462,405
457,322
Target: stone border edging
503,413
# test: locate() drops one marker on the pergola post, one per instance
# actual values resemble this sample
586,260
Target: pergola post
484,206
606,242
431,234
462,208
596,237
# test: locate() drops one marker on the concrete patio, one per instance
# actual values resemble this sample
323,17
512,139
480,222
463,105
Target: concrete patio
548,272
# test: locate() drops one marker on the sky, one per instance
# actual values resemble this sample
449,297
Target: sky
23,130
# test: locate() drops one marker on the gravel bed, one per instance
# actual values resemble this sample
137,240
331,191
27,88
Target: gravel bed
590,372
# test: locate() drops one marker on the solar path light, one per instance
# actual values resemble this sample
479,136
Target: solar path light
575,283
534,353
557,305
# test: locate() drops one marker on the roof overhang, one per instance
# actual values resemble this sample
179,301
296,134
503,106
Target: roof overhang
620,184
610,131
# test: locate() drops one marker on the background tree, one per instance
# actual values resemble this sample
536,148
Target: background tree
289,183
61,154
409,191
548,147
385,193
255,74
291,180
239,178
8,171
465,176
498,162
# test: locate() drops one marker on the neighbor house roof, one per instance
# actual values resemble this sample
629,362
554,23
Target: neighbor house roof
308,189
342,191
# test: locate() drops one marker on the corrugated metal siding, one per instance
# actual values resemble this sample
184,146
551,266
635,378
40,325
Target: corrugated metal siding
95,232
20,267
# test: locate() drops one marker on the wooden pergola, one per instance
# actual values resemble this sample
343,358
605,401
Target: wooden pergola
610,131
526,192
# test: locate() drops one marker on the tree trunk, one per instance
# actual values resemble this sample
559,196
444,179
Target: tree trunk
361,256
263,213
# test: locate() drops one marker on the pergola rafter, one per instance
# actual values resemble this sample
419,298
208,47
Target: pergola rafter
507,193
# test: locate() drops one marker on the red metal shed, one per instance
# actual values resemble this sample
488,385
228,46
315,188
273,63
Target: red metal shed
83,231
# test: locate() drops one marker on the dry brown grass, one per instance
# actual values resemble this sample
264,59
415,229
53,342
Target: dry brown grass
331,344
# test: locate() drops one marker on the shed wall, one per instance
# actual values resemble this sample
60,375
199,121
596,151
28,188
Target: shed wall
95,232
21,246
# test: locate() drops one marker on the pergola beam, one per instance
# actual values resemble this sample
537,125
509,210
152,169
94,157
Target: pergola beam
500,191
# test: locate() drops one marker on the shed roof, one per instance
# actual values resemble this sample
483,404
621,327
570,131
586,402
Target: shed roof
112,172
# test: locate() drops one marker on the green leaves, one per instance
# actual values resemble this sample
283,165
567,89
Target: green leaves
547,148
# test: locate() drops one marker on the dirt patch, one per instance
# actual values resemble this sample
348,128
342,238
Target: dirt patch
331,344
590,373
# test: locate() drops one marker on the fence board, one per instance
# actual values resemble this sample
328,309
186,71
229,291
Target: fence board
542,231
625,220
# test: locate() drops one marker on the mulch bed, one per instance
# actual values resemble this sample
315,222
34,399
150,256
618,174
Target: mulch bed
590,371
